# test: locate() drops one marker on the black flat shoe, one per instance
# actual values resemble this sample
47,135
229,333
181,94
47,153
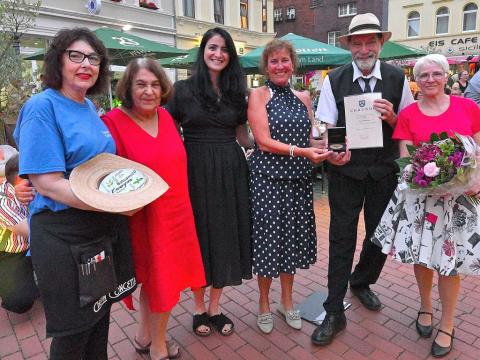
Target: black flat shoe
367,298
331,326
424,331
440,351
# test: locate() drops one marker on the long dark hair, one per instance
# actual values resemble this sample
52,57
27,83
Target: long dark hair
231,82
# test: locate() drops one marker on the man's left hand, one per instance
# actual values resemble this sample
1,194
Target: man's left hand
385,108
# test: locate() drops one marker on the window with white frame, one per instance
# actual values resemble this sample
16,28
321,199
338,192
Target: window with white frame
413,24
333,38
218,11
291,13
470,17
278,14
189,8
348,9
443,14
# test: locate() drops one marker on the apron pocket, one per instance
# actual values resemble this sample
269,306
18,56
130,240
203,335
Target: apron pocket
96,271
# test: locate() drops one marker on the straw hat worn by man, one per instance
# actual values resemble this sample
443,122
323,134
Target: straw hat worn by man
369,179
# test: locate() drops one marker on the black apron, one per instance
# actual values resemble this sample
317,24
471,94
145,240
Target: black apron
83,263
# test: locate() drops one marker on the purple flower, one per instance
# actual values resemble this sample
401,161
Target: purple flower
456,158
426,153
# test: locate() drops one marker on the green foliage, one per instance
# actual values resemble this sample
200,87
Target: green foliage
411,149
116,102
16,18
403,162
299,86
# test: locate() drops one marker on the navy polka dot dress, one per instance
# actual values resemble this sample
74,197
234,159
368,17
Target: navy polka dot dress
283,221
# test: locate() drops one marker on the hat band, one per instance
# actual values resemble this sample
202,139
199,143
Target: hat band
364,27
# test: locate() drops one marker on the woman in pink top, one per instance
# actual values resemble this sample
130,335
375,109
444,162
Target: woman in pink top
438,233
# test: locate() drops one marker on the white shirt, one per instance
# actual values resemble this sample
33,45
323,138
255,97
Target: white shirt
327,108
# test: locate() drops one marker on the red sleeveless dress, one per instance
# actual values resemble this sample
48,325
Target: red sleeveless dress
165,247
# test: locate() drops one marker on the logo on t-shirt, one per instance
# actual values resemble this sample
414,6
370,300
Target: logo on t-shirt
107,134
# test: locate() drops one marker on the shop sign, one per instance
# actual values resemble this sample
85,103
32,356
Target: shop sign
458,45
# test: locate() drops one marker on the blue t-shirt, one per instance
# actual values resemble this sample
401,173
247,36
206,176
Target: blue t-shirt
55,133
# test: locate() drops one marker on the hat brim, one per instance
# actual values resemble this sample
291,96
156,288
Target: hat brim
344,38
85,180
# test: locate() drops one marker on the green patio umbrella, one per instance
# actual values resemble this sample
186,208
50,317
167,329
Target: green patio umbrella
181,62
123,47
392,50
312,54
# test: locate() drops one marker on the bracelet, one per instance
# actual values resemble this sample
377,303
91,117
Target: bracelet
292,150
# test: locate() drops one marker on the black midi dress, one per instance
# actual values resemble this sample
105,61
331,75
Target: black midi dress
218,184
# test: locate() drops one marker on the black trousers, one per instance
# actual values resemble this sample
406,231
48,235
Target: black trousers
87,345
17,286
347,197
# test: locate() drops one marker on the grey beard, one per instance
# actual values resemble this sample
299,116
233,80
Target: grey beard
366,65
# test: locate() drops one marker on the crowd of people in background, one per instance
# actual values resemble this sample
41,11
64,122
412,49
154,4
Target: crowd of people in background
223,218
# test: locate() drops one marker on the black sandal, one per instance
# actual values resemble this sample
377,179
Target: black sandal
219,321
139,348
201,320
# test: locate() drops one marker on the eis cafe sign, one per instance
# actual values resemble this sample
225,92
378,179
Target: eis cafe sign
461,45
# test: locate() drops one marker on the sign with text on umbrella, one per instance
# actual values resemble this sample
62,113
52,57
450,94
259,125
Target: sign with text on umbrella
312,54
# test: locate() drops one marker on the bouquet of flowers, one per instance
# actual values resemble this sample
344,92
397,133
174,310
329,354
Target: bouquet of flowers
445,165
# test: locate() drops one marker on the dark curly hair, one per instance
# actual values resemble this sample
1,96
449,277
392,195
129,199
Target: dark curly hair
124,86
231,82
53,64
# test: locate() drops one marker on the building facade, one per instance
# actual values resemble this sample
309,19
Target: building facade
250,22
151,19
324,20
448,27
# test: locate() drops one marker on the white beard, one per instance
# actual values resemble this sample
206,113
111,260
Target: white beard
366,65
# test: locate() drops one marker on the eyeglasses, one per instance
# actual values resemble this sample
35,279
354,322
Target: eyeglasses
78,57
437,75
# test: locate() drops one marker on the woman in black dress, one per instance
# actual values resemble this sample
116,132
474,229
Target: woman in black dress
211,108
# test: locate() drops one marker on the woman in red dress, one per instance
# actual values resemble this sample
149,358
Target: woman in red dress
164,241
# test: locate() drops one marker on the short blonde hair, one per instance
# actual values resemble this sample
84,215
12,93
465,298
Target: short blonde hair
276,45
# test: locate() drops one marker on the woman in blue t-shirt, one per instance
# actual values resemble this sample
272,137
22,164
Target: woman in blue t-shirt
58,130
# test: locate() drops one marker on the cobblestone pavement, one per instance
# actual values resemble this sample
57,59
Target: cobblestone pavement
388,334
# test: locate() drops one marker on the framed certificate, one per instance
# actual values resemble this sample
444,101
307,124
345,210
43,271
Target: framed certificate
363,123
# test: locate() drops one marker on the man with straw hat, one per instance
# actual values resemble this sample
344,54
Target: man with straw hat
369,179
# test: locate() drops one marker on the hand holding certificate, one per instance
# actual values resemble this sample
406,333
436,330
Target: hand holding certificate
363,123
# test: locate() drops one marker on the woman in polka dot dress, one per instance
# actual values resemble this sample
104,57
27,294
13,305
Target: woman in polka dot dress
283,222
